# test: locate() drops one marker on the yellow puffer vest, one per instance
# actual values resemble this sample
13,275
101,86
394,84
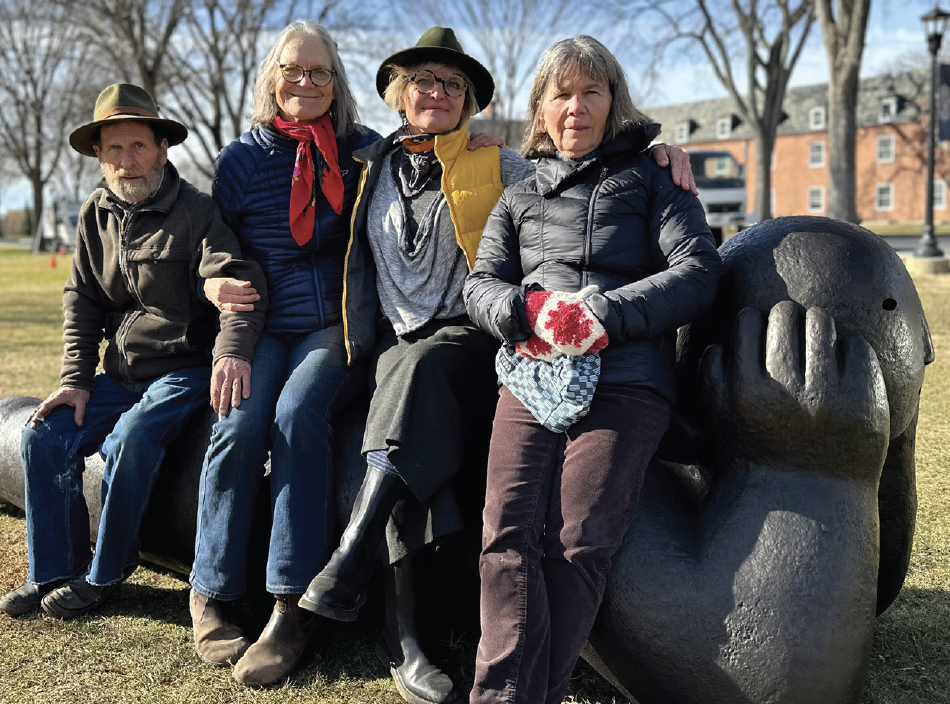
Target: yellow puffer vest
471,182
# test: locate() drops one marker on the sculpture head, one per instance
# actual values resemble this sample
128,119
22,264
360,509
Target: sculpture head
847,270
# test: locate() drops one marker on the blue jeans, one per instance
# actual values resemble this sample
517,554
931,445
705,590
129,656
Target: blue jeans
130,425
294,383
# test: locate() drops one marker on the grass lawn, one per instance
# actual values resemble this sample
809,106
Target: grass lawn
139,648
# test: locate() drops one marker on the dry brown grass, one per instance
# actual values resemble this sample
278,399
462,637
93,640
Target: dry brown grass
138,648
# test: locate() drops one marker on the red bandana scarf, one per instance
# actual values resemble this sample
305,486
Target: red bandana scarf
303,190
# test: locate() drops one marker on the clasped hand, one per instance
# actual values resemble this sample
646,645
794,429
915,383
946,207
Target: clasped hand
563,324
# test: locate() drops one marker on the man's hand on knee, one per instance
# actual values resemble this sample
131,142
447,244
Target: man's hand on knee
230,382
66,395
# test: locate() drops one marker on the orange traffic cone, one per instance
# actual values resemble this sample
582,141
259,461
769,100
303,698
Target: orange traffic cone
52,260
62,250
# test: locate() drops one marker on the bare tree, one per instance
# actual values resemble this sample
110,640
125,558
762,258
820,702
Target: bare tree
509,38
41,55
132,37
752,47
843,27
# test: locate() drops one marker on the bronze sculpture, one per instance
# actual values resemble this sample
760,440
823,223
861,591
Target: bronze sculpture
779,515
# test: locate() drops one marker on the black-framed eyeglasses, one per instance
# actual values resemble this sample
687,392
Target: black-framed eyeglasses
318,76
454,84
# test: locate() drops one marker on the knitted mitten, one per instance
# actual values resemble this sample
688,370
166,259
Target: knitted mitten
565,322
534,346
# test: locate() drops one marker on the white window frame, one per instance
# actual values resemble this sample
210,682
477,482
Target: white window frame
772,201
818,207
816,149
816,119
940,194
879,189
887,109
881,140
681,133
773,161
723,128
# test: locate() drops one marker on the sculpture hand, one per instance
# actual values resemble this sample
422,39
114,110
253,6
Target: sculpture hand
797,395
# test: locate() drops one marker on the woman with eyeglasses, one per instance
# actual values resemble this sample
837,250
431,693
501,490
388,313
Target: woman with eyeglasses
287,189
423,201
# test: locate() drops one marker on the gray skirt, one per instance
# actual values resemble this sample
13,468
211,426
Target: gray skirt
433,399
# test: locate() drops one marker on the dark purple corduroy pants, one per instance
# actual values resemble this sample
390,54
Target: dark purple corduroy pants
556,510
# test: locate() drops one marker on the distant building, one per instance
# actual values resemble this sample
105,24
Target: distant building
890,154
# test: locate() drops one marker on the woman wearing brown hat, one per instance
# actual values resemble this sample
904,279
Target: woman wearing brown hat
424,200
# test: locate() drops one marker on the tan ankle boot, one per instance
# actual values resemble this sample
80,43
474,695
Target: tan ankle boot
218,642
280,646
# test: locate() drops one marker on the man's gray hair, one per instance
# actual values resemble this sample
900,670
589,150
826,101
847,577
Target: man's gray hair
592,59
399,83
343,108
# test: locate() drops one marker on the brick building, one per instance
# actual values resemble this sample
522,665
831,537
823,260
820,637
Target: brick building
891,148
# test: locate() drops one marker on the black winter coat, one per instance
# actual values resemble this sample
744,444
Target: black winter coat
616,221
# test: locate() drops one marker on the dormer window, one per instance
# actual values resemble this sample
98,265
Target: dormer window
816,118
887,110
723,127
681,133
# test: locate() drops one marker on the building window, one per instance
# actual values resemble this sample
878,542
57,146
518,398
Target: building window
723,166
884,196
772,161
816,154
885,149
940,194
816,199
887,110
681,134
723,127
816,118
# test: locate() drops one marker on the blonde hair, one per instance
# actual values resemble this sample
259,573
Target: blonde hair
399,83
343,108
587,56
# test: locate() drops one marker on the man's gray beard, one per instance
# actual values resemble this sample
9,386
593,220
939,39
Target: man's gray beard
133,193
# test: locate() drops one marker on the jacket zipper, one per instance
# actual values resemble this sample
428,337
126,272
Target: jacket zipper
589,235
124,329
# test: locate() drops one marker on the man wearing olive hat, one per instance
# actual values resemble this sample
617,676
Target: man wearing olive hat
145,240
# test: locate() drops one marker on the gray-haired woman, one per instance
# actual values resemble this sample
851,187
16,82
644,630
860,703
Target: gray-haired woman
287,189
598,255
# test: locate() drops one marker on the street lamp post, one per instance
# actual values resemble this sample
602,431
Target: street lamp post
935,23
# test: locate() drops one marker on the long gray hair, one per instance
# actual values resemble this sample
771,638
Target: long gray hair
592,59
343,108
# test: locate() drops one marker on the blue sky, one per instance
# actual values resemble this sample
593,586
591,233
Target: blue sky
894,34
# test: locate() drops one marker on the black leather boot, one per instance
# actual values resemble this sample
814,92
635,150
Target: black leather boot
339,590
417,679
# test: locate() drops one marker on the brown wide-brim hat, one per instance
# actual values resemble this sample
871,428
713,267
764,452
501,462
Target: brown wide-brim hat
123,101
439,44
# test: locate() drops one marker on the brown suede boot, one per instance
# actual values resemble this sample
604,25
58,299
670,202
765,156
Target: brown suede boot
280,646
218,641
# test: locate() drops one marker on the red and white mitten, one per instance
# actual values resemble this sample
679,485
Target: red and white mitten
537,348
565,322
534,346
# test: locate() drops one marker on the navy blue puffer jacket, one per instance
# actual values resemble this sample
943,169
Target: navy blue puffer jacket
251,185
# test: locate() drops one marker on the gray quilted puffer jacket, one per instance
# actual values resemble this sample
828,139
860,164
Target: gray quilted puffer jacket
616,221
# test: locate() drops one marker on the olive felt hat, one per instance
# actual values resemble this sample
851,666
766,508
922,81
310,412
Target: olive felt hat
439,44
122,101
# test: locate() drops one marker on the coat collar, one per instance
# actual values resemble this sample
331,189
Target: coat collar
553,172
